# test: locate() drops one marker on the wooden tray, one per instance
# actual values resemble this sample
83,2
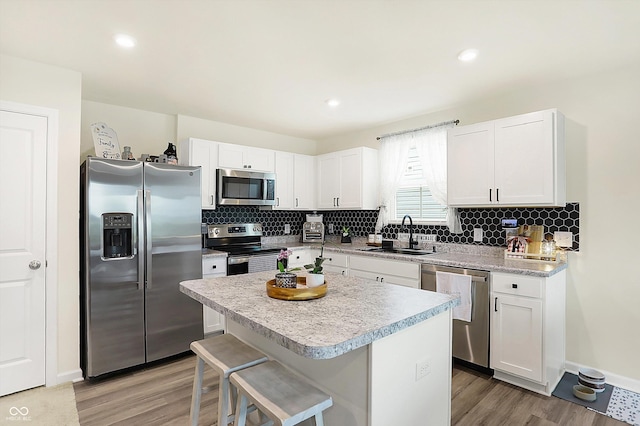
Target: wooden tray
301,293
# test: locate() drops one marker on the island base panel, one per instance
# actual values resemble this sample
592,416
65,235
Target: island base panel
377,385
410,375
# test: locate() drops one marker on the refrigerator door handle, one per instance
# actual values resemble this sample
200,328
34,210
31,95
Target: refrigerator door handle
147,236
140,238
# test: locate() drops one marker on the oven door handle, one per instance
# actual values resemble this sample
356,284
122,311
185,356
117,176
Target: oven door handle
235,260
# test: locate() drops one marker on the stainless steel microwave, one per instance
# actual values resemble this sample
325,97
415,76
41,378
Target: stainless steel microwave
244,188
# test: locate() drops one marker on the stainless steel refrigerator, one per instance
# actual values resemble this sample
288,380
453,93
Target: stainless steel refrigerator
140,236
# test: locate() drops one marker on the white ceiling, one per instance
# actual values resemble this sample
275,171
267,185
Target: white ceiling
271,64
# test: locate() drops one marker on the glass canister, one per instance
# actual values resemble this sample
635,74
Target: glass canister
127,154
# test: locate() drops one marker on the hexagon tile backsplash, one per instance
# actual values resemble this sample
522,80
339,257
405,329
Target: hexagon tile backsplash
362,222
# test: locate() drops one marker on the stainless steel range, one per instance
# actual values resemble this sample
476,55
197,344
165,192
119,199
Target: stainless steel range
242,242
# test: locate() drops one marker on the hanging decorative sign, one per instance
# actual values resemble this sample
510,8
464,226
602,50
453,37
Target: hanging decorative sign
105,141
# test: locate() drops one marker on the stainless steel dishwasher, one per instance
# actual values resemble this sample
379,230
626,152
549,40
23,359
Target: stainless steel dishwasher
470,339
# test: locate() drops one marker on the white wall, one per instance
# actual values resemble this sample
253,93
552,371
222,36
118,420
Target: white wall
52,87
603,175
228,133
149,132
144,131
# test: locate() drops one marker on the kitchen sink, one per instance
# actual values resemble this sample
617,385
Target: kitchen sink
413,252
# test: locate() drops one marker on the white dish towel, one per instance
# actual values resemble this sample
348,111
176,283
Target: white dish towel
456,285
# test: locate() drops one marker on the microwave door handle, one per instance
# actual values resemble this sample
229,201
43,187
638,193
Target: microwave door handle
265,187
140,237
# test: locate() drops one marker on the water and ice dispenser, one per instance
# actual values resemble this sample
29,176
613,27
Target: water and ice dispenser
117,235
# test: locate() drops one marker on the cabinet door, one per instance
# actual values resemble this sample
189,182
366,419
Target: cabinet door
259,159
231,156
350,192
470,165
328,181
524,159
284,181
516,336
199,152
304,182
299,258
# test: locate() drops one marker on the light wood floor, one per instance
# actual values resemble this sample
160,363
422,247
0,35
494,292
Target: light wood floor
161,395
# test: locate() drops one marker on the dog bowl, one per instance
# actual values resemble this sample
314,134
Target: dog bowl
591,375
584,393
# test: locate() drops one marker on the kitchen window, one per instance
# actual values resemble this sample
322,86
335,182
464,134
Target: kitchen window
414,198
413,178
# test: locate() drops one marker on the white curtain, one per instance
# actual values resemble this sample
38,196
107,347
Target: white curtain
392,155
431,146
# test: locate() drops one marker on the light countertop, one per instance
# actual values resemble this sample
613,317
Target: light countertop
353,314
455,256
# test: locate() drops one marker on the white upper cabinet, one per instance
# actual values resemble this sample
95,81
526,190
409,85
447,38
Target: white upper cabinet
284,180
200,152
348,179
295,181
231,156
304,182
515,161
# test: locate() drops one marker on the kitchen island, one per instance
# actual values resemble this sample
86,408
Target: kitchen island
383,352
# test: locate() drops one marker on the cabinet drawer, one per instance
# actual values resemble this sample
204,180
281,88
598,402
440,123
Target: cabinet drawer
214,265
519,285
379,266
335,259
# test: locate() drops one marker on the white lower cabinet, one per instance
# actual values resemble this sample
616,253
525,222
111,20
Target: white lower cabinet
213,267
300,256
387,271
528,330
335,262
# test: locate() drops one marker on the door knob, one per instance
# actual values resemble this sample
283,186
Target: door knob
34,264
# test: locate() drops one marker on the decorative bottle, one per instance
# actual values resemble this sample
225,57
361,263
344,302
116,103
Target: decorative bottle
170,152
127,154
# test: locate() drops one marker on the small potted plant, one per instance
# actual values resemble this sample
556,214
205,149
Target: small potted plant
315,277
285,278
346,235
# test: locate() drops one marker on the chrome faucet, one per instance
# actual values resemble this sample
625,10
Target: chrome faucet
411,242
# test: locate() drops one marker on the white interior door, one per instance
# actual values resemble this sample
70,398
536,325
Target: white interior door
23,142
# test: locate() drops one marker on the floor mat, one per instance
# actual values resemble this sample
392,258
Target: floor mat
613,402
624,405
564,390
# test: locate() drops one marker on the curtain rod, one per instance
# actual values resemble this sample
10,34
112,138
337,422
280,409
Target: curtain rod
444,123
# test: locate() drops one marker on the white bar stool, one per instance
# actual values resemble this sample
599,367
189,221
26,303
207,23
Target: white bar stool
282,396
225,354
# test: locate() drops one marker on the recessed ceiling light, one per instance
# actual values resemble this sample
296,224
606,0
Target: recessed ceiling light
125,41
332,102
468,55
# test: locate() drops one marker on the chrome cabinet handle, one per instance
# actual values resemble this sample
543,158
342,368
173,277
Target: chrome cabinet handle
34,264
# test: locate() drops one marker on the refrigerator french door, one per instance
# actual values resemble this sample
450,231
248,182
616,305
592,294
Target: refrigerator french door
140,236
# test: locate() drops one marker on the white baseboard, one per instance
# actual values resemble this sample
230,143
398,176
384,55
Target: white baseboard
70,376
613,379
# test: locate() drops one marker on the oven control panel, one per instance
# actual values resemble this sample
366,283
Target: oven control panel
235,230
